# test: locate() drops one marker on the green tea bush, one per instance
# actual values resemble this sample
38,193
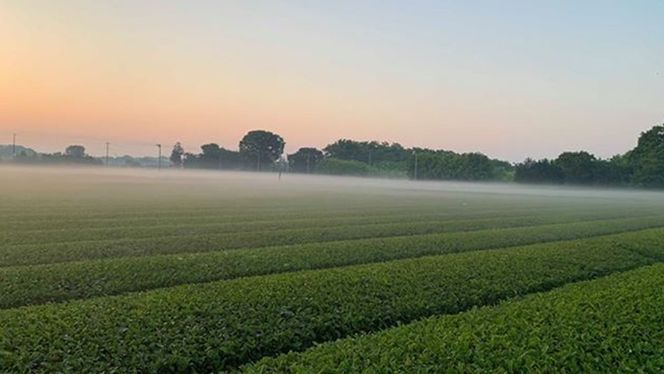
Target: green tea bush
65,281
610,325
222,325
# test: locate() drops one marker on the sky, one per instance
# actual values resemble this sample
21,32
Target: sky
511,79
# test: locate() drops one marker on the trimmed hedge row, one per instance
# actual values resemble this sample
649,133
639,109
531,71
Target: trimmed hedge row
75,280
183,227
90,214
614,324
85,250
222,325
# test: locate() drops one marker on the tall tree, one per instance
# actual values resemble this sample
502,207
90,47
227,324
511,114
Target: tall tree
176,154
577,167
262,147
647,158
75,151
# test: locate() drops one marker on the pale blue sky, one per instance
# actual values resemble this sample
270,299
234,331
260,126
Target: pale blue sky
508,78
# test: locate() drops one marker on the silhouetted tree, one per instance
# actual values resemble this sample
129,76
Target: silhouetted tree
176,154
577,167
647,158
213,157
262,147
75,151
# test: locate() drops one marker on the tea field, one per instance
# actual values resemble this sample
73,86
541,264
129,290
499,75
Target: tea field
124,271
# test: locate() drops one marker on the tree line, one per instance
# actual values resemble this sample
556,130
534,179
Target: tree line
262,150
73,154
642,166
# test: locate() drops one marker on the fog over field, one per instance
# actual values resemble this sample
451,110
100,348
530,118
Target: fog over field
152,185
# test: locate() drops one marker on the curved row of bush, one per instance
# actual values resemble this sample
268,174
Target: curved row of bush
221,325
209,226
46,253
75,280
60,216
107,219
614,324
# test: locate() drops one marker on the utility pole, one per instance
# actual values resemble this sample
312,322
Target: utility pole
107,145
14,145
415,173
258,161
159,160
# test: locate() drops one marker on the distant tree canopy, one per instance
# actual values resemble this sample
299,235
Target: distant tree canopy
176,155
75,151
577,167
8,151
643,166
541,171
370,152
647,159
262,147
74,154
305,160
447,165
214,157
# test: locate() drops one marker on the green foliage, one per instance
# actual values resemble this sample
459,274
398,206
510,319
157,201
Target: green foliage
221,325
82,279
648,158
577,167
137,279
151,241
614,324
368,152
643,166
447,165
